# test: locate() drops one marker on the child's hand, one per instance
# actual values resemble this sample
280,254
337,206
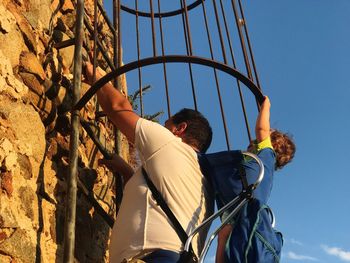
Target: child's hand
266,103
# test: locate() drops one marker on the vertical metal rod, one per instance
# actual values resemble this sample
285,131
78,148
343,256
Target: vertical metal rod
94,50
117,62
218,26
216,78
71,198
138,57
153,30
188,27
188,41
95,41
164,64
234,65
105,16
249,45
243,45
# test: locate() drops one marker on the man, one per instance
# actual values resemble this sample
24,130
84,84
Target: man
168,154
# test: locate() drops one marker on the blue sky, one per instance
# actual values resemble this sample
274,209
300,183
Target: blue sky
302,53
303,56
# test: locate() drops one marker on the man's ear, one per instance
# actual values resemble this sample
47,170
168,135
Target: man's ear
180,128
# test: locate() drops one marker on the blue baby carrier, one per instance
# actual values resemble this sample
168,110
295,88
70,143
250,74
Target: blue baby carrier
241,193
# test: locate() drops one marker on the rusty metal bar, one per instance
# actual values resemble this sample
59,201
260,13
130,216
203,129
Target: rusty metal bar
117,62
65,43
249,45
153,31
105,16
99,44
166,14
216,78
95,41
71,198
234,65
241,38
218,26
138,57
170,59
164,65
187,35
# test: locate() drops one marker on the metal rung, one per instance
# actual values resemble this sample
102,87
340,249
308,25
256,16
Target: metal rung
65,43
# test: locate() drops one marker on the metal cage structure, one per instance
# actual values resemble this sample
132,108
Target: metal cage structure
194,54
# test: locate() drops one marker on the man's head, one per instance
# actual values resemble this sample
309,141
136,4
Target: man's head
284,148
192,127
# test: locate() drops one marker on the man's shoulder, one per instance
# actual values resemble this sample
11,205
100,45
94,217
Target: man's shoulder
150,128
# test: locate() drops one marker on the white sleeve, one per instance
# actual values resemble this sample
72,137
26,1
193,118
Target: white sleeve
150,137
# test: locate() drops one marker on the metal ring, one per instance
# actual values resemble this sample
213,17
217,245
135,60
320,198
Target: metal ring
170,59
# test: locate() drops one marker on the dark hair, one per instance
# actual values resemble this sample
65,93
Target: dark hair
198,132
284,148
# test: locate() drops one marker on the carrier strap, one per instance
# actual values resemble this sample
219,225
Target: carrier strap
161,202
243,176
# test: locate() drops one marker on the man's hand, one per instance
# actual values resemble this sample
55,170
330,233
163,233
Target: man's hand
117,164
88,70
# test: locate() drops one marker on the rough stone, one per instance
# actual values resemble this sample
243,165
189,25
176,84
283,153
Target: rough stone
5,148
10,161
5,65
5,259
6,19
66,54
26,195
67,6
15,113
6,182
25,28
30,63
8,216
32,178
20,246
32,83
11,43
39,14
25,166
17,85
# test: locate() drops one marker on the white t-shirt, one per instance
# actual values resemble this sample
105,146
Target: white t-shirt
172,165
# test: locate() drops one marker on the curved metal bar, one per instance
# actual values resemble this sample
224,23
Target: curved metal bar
261,172
227,219
169,59
165,14
209,220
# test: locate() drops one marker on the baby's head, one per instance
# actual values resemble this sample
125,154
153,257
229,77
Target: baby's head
284,148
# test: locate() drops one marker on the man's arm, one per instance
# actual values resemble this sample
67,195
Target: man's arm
116,106
262,126
117,164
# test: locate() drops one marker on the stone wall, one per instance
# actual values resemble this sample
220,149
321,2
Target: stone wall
35,99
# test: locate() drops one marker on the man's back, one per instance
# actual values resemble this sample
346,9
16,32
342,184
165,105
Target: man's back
173,167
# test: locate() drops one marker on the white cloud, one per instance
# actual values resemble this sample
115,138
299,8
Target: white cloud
294,256
338,252
296,242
